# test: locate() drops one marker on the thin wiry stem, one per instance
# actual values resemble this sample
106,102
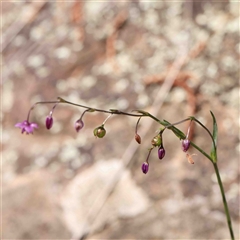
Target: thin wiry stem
111,111
42,102
137,125
224,201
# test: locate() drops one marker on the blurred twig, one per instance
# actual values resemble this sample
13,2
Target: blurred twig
77,18
181,79
118,23
28,14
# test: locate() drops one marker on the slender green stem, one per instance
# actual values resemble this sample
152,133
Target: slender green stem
112,111
176,123
137,125
224,201
47,102
106,119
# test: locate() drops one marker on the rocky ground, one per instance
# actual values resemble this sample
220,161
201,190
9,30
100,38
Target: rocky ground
173,59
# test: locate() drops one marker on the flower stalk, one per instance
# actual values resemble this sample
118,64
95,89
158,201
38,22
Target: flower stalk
99,132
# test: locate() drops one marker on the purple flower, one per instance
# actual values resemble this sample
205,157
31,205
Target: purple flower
161,152
145,167
26,126
185,145
79,125
49,122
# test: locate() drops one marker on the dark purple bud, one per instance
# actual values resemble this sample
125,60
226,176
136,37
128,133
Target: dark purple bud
185,145
138,138
49,122
145,167
161,152
79,125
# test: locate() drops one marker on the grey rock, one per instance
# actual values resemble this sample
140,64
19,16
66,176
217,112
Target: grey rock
30,208
100,195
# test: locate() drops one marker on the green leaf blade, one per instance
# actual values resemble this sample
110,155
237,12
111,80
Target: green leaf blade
141,111
215,135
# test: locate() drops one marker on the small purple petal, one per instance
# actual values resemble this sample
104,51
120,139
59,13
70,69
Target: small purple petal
26,126
161,152
185,145
28,129
145,167
33,125
19,125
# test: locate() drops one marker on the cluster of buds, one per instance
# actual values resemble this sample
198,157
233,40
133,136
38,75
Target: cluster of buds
100,131
79,124
157,141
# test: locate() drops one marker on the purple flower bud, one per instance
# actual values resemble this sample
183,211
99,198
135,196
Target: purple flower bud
185,145
49,122
145,167
79,125
161,152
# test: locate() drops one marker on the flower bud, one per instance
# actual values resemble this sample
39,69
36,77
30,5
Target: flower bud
99,132
79,125
145,167
161,152
157,141
185,145
49,122
138,138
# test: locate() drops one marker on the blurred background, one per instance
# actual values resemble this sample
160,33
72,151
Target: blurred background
173,59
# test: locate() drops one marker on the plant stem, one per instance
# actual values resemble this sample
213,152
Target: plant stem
167,125
224,201
112,111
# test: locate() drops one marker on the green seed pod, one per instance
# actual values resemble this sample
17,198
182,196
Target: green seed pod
157,141
99,132
95,131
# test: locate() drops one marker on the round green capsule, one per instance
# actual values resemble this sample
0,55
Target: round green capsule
99,132
157,141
